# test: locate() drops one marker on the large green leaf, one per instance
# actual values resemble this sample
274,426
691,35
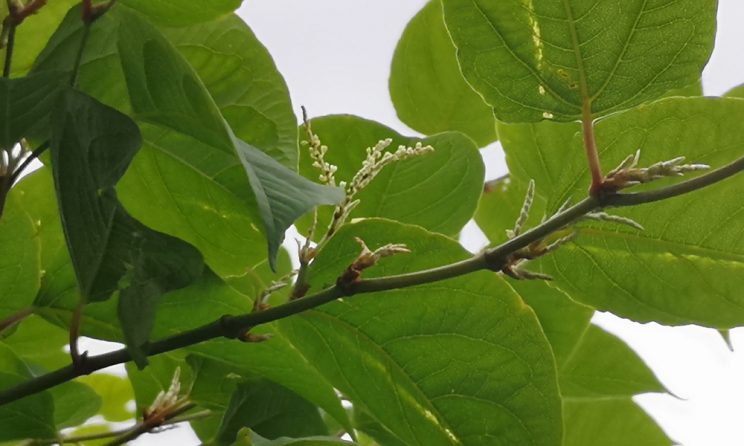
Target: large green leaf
74,403
427,87
19,262
437,190
244,82
544,59
25,105
457,362
191,166
30,417
91,148
277,359
602,366
50,354
611,422
183,12
248,438
686,267
165,91
111,252
59,294
270,410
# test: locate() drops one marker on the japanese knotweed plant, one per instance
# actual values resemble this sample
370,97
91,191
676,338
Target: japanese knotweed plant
171,169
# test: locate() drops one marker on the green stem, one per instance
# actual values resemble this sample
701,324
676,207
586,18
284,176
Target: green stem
493,259
590,146
9,50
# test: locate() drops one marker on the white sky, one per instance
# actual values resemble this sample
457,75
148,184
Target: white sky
335,56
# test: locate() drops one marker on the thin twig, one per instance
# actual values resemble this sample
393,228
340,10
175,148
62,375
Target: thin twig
120,432
15,318
26,162
9,49
492,259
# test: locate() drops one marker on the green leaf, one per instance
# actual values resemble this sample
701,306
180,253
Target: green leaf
25,105
59,294
686,267
270,410
184,12
115,393
564,321
30,417
613,422
278,359
34,33
110,251
427,87
736,92
241,77
249,438
437,190
166,91
189,166
462,361
545,59
50,354
91,148
74,403
601,366
19,262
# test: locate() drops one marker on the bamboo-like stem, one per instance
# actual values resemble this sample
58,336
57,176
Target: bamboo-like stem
493,259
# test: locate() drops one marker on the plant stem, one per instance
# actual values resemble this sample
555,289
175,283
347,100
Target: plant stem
493,259
118,433
34,155
148,425
15,318
590,145
9,50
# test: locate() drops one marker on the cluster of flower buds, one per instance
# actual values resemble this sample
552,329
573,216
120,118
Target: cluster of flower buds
628,173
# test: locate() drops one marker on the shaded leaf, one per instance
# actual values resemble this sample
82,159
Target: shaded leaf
270,410
249,438
74,403
427,87
438,190
277,360
25,105
30,417
545,59
384,351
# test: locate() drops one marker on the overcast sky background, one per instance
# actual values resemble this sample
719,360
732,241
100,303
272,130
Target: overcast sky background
335,56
